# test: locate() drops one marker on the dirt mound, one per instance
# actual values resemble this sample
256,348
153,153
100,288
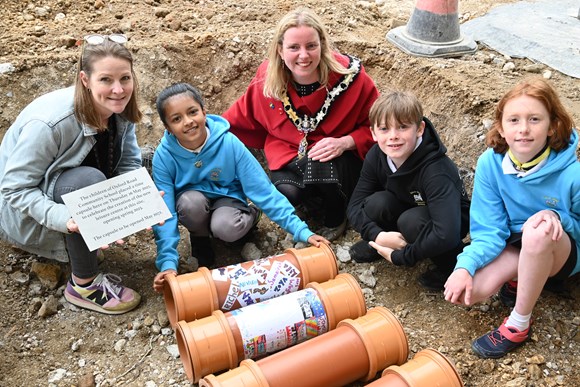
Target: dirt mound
217,46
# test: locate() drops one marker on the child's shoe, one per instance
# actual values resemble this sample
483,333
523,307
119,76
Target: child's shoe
333,233
105,295
202,250
100,256
434,279
500,341
257,217
362,252
508,293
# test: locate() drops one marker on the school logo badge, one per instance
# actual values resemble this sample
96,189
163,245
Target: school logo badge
215,174
551,201
418,198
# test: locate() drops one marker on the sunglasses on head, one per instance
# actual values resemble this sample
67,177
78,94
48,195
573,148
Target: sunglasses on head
96,39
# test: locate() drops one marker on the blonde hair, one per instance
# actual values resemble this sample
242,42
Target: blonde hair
277,74
401,106
561,123
84,107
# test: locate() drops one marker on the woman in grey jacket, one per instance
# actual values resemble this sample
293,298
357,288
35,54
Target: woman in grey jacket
63,141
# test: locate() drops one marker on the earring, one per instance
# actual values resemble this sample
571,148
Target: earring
89,90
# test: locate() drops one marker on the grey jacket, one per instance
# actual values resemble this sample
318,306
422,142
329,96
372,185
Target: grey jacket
45,140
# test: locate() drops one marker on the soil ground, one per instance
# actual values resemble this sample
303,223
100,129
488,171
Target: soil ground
217,46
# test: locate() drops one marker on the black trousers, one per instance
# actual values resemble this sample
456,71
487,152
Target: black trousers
391,215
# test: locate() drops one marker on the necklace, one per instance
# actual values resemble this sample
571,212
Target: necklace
307,124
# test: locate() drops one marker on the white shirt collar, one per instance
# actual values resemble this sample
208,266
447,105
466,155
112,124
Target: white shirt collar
509,168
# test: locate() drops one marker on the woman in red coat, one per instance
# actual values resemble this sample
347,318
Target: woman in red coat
307,107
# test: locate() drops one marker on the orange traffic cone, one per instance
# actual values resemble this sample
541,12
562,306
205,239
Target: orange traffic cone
432,31
196,295
427,369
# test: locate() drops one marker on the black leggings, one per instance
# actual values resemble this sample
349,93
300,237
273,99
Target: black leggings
333,200
84,263
332,182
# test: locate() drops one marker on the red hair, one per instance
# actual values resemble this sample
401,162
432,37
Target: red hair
561,122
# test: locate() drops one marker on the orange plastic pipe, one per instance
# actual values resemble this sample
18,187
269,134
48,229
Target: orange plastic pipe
196,295
222,340
429,368
356,349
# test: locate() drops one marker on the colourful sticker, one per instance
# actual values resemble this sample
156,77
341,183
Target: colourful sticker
266,278
220,274
237,273
281,322
231,297
290,269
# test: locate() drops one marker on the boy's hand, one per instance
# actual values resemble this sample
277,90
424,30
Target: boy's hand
391,239
383,251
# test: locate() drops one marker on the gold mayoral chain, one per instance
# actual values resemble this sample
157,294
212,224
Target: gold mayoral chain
309,124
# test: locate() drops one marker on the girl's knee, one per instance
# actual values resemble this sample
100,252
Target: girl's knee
192,201
227,231
193,211
229,223
537,238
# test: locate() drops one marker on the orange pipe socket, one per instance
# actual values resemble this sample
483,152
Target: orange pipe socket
222,340
429,368
195,295
356,349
